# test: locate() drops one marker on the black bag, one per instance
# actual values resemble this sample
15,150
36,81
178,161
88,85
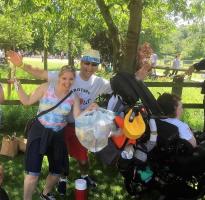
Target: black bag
3,194
110,154
28,126
30,122
131,90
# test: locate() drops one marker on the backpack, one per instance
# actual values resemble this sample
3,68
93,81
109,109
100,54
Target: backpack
132,90
3,194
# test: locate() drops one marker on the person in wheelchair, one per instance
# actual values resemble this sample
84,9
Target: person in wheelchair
177,162
172,107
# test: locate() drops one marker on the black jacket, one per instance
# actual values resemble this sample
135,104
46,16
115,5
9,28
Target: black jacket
3,194
200,65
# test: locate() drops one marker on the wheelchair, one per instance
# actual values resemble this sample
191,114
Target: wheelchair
173,168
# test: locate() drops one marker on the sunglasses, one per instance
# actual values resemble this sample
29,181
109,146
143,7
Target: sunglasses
91,63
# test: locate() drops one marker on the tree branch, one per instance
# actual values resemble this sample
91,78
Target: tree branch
112,29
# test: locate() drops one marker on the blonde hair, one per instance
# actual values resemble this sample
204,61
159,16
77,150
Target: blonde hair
66,68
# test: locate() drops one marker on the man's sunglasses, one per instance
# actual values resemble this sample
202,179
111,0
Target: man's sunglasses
91,63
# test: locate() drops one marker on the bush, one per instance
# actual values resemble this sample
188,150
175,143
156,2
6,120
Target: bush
16,116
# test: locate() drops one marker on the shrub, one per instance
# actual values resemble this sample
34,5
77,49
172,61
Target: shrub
16,116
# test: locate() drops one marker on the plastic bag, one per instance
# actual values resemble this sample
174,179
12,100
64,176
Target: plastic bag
93,128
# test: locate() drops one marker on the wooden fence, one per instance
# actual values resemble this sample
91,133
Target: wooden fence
177,87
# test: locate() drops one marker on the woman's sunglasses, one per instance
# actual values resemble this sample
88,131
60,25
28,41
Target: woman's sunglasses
91,63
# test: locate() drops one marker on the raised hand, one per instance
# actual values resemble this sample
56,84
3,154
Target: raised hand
144,55
144,52
190,71
15,58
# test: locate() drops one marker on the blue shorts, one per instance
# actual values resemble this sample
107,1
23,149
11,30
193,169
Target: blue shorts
34,160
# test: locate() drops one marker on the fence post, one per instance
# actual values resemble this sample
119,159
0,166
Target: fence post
203,92
177,88
204,113
9,84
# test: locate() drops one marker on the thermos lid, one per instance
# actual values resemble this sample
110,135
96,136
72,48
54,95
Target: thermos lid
80,184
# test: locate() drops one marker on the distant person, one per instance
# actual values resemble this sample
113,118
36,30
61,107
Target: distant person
1,100
171,105
154,58
175,65
42,56
1,54
62,55
1,93
3,194
197,66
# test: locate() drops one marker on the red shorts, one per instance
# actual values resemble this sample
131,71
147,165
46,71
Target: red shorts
75,149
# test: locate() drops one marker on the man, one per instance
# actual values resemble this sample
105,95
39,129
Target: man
87,86
175,65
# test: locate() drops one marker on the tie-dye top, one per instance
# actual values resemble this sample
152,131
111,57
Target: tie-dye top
57,118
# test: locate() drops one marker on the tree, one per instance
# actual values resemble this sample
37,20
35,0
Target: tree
125,46
67,25
12,35
133,32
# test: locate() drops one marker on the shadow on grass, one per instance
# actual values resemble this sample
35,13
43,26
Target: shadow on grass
110,183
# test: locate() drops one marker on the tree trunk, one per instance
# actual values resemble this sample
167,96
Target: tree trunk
113,34
124,61
45,58
133,34
70,55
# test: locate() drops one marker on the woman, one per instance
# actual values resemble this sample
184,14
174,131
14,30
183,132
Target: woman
46,134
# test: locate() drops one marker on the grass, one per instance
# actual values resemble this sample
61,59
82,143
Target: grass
110,183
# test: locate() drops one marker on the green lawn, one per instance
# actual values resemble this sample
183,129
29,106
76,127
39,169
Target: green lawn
110,183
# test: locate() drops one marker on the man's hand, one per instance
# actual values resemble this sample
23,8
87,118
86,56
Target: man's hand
190,71
15,58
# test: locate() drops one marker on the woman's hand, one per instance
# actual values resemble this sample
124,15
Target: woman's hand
15,58
92,106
